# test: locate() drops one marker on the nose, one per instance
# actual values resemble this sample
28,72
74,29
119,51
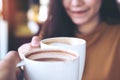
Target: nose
77,2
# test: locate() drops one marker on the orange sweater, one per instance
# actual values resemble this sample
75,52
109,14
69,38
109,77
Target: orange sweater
103,53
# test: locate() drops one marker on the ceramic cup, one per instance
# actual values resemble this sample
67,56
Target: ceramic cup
68,43
51,64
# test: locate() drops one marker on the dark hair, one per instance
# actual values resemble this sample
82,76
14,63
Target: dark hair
109,11
59,24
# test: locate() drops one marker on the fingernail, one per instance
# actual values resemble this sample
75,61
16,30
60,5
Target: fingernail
35,41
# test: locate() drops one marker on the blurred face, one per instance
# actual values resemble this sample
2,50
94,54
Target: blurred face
82,11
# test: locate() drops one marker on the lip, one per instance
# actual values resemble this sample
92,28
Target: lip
78,13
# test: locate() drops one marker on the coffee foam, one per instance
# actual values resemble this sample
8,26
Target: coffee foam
65,40
64,45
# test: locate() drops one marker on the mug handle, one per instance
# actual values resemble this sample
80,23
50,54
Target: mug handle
21,63
20,66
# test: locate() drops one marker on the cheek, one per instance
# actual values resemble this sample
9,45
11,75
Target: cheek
65,3
94,4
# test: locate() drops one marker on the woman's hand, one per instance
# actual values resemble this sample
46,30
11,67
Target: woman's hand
8,70
35,43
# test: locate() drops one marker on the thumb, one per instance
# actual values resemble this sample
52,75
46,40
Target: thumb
35,42
8,66
11,56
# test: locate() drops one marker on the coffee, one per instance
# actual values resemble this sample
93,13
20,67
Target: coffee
49,59
51,55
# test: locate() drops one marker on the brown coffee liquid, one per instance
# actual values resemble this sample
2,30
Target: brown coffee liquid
49,59
51,55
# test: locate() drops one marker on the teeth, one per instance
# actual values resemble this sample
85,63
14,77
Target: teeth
78,10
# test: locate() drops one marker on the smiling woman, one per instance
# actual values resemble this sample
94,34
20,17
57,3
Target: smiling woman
96,21
83,11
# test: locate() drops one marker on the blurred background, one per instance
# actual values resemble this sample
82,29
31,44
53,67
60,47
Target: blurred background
20,20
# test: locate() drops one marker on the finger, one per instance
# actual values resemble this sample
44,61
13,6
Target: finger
35,43
24,48
8,66
11,57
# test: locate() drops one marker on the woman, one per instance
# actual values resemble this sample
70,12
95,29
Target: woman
96,22
64,15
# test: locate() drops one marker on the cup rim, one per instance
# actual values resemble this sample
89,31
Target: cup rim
74,53
81,41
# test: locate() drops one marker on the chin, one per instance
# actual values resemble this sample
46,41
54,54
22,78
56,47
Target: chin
80,21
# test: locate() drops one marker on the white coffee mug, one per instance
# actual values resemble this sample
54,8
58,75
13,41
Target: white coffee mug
68,43
51,64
